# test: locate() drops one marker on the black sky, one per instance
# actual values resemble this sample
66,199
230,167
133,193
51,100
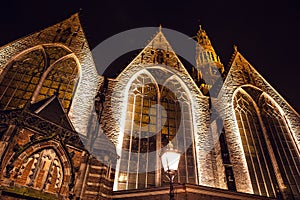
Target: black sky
267,33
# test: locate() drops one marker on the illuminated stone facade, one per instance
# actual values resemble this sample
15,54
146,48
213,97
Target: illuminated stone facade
68,40
67,132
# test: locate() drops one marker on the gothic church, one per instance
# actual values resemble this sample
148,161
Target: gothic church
67,132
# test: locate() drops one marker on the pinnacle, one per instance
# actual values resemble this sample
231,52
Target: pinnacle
160,28
235,48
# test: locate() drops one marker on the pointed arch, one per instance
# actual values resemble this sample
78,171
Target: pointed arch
254,145
154,110
26,75
283,144
139,136
61,77
20,78
179,125
266,138
44,166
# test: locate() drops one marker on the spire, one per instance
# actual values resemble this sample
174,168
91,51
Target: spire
208,64
205,51
202,37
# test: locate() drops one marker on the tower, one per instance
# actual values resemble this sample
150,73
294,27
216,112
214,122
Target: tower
67,132
208,65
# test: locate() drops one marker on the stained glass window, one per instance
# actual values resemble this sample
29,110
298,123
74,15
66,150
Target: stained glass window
155,114
262,174
39,73
20,79
283,145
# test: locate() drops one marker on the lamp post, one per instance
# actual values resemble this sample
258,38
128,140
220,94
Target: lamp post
170,160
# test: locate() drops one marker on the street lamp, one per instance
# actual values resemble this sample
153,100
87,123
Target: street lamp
170,160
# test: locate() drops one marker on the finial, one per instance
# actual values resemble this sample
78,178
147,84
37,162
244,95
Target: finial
78,12
201,31
160,28
235,48
200,27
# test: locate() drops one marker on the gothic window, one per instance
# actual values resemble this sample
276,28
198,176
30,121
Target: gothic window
178,125
42,170
38,73
262,174
140,136
21,78
151,121
62,77
283,145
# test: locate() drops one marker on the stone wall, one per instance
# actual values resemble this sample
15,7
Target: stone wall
116,101
83,99
243,74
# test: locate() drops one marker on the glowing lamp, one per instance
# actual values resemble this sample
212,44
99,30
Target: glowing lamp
170,160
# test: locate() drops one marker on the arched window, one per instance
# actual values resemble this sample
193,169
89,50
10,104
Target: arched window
155,114
37,73
178,125
61,78
262,174
20,79
286,153
140,135
42,170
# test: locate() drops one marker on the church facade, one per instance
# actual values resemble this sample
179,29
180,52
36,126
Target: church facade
67,132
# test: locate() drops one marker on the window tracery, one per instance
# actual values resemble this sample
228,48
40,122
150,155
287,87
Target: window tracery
42,170
178,125
155,113
38,73
21,79
283,145
262,174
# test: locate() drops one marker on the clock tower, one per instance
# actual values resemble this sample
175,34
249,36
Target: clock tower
208,65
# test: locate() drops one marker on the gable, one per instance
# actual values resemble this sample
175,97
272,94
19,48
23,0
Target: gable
242,74
51,109
68,33
158,52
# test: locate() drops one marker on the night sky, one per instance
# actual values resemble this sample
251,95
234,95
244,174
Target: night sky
266,33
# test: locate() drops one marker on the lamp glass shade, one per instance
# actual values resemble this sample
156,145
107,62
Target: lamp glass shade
170,160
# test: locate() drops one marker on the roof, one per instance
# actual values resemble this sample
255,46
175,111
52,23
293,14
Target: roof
51,109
